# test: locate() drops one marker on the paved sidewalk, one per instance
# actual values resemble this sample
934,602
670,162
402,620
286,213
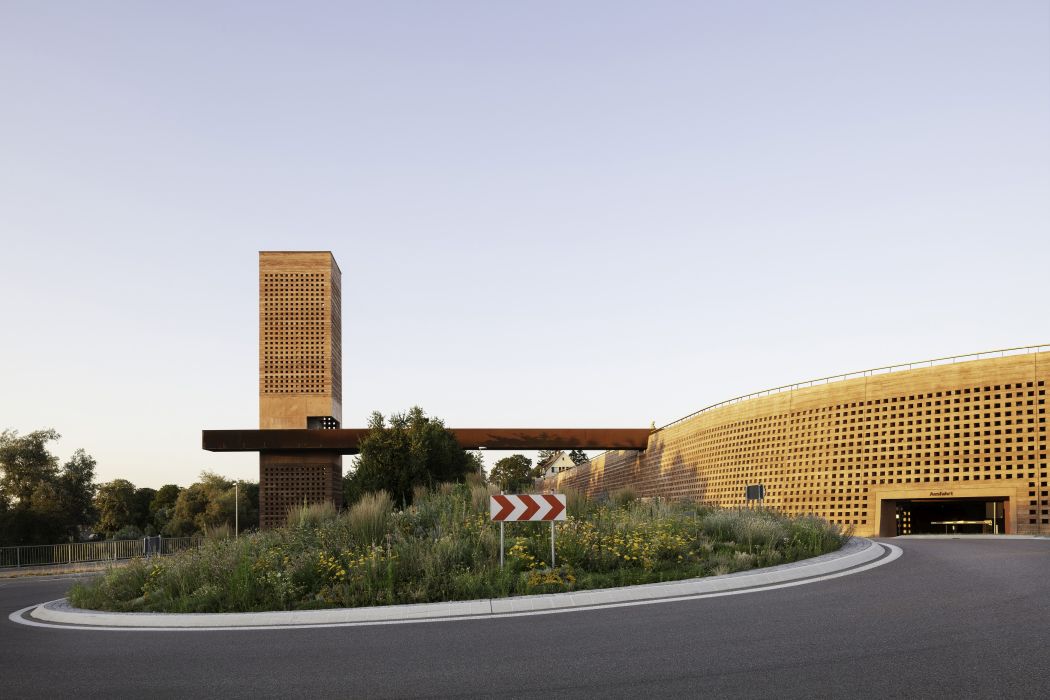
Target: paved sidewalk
857,555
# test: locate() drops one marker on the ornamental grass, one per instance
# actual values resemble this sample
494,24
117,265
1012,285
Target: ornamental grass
443,547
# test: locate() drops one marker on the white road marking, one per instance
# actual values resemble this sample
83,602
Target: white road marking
894,554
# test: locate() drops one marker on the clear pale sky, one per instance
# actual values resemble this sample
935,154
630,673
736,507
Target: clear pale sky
547,214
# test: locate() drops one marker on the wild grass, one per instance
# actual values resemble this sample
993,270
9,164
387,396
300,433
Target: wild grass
444,547
368,517
310,514
623,497
219,532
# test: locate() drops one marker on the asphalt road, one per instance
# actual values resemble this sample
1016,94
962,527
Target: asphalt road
949,619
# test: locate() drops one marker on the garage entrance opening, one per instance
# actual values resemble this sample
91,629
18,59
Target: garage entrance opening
951,516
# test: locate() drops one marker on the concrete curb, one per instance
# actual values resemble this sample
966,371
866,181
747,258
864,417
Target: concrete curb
858,552
958,536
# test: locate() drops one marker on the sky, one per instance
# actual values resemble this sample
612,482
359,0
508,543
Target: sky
575,214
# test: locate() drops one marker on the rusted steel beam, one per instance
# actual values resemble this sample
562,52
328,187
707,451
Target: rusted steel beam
346,440
343,441
553,438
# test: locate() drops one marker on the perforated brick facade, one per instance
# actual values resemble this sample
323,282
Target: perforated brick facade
847,450
300,376
300,338
286,481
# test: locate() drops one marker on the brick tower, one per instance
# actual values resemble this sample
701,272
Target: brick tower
300,376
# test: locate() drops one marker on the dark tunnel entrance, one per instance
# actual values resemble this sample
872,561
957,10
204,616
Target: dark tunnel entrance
951,516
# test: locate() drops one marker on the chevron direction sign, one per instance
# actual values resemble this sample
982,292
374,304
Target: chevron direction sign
527,507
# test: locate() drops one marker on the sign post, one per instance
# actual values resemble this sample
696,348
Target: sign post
527,508
552,544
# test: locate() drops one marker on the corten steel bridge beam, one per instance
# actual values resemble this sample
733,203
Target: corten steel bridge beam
346,440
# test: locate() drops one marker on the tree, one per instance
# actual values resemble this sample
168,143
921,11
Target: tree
512,473
162,507
351,486
201,505
414,450
76,486
476,464
43,515
26,463
209,504
39,504
249,504
191,503
578,457
116,505
140,512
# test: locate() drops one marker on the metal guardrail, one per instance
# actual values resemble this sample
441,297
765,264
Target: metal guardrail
951,359
85,552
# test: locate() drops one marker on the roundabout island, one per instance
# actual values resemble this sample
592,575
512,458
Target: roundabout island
856,556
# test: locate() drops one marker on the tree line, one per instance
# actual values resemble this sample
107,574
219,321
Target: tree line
42,502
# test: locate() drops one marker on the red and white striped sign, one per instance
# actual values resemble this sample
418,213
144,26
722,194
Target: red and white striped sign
533,507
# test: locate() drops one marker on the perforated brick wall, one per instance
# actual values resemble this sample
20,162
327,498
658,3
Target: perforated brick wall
287,481
300,374
829,450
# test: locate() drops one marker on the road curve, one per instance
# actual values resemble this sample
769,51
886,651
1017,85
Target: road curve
860,554
952,618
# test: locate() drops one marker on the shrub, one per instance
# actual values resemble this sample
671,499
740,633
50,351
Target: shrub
128,532
720,525
443,547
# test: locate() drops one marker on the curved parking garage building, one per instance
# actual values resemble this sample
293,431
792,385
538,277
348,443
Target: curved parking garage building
952,445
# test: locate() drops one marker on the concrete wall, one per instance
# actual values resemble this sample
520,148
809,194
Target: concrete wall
839,450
